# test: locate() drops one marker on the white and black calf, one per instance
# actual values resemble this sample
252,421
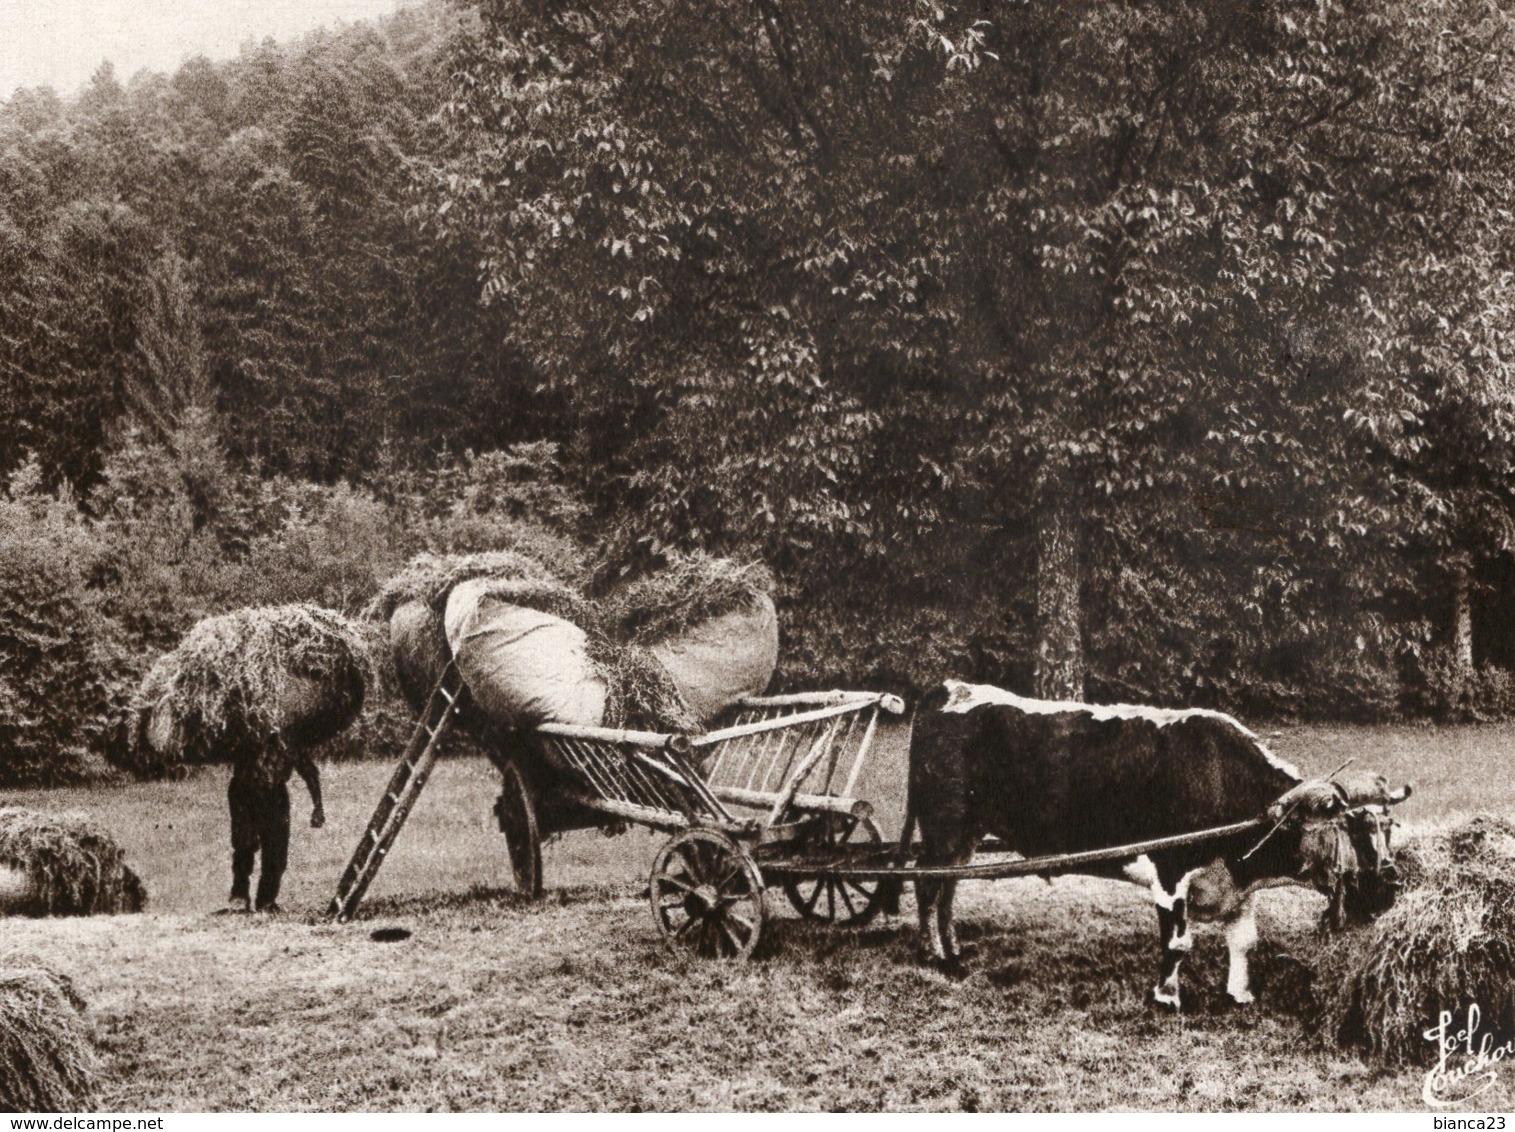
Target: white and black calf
1048,777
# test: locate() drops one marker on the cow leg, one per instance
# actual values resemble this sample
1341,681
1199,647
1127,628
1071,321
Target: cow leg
928,897
934,897
1173,926
1241,937
948,925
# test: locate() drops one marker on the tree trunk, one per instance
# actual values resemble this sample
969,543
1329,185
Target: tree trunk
1462,633
1060,641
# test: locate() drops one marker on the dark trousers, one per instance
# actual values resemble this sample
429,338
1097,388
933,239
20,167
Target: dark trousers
259,823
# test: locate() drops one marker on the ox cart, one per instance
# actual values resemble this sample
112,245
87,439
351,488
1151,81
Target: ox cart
767,802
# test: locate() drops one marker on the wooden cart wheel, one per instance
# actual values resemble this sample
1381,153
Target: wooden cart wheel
707,894
517,812
840,900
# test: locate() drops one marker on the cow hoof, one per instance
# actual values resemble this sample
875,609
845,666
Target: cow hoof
1245,998
1167,1003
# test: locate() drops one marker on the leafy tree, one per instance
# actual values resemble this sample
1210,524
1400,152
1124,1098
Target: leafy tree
1071,250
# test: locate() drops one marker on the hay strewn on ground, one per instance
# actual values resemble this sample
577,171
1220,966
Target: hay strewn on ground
691,589
47,1061
230,684
74,867
429,578
1448,942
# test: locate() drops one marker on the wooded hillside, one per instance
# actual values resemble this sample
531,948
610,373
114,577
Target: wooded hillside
1141,351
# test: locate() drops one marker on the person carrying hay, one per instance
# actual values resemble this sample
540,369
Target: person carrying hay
258,688
258,798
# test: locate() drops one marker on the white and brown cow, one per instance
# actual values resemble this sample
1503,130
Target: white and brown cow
1050,777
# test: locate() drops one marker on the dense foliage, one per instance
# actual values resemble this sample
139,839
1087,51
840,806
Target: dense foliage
1150,350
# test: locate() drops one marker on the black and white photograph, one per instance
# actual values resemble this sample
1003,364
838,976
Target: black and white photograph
611,556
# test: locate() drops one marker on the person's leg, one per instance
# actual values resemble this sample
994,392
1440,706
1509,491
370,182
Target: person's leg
273,833
244,839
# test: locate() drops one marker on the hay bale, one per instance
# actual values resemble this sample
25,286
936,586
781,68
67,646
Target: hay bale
710,622
418,648
63,865
640,694
47,1060
690,591
236,683
1448,942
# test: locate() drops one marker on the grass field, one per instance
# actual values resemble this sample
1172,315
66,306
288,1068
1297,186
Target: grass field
494,1003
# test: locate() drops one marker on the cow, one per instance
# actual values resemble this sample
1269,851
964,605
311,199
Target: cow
1048,777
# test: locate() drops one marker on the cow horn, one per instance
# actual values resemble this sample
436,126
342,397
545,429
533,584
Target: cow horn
1398,796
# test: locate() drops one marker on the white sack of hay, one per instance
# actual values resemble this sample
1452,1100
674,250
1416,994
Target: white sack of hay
524,666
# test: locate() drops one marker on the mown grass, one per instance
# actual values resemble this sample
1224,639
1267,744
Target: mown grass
574,1003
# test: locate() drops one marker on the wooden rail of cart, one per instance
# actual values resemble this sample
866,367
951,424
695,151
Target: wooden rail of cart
768,801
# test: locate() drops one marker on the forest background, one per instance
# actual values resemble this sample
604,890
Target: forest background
1148,352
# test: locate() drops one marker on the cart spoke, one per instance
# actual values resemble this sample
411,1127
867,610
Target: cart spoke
841,886
669,878
736,944
692,865
815,895
738,918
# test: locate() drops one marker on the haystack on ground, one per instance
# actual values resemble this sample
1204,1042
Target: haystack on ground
238,682
47,1061
1448,942
63,865
710,622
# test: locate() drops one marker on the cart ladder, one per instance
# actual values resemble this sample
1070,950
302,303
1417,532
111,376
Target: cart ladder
400,795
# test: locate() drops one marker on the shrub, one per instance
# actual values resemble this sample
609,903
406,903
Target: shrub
58,650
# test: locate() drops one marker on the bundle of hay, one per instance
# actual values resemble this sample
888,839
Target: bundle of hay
47,1062
710,622
428,579
236,683
62,865
530,646
1448,942
413,604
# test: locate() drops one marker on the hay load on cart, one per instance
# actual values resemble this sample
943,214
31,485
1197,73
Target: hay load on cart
710,622
541,674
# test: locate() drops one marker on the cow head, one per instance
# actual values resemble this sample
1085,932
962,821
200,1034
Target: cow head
1343,833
